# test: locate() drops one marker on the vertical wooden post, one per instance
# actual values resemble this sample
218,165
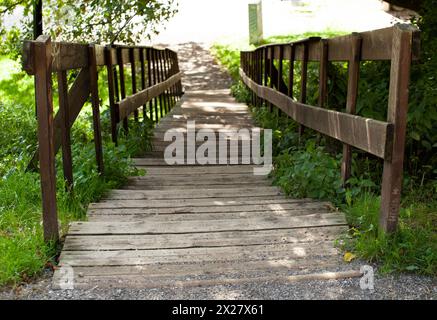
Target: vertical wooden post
180,90
303,83
171,73
266,71
158,80
133,77
94,89
323,73
122,84
291,72
397,115
143,79
271,66
351,102
165,77
150,81
111,91
280,75
64,112
43,93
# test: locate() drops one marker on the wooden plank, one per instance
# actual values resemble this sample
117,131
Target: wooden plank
295,205
43,93
244,224
377,45
196,240
366,134
131,103
187,193
205,216
197,269
397,114
174,170
155,201
351,101
232,253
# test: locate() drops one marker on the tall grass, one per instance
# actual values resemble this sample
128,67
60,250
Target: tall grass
23,252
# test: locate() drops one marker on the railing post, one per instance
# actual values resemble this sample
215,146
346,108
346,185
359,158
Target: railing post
43,95
111,91
64,113
303,83
122,84
133,77
94,90
397,115
351,102
291,72
150,81
323,73
143,79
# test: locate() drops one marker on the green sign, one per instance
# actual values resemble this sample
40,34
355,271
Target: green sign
255,23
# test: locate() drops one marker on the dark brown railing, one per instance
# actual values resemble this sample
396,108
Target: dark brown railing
386,140
160,88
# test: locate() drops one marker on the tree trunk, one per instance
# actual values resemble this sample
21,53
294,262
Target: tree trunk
37,19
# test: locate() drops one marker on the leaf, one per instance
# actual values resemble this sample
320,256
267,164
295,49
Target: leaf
349,256
412,268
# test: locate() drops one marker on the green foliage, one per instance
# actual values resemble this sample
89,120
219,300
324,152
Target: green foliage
413,248
23,250
125,22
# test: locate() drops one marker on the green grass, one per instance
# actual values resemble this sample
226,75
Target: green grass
23,251
312,169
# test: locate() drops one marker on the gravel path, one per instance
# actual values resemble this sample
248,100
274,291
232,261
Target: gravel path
201,72
385,287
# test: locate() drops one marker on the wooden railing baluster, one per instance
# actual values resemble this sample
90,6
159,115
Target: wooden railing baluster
133,77
94,90
351,101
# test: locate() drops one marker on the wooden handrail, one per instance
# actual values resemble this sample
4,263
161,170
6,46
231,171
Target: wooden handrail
42,57
399,44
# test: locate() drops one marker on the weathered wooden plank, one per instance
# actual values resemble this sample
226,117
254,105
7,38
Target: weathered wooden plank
232,253
208,216
253,191
197,199
196,269
366,134
244,224
377,45
200,170
195,240
258,206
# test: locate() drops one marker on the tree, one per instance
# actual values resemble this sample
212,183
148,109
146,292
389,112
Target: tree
100,21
